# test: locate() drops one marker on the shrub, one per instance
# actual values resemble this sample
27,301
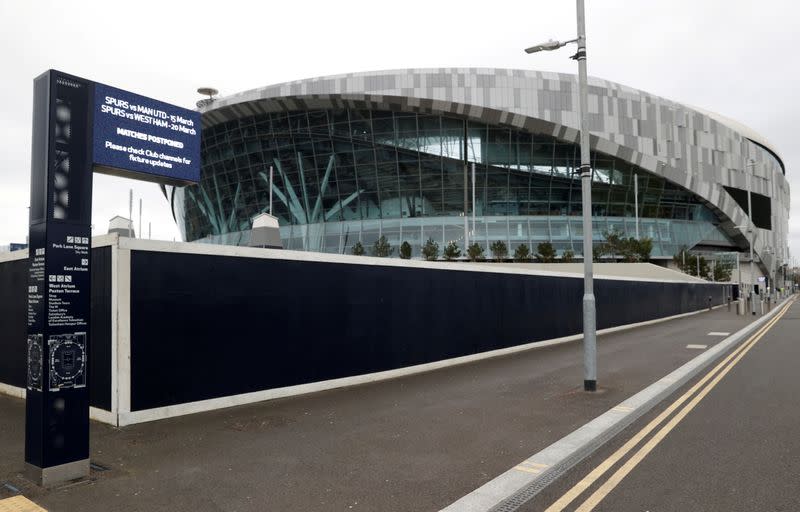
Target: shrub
475,252
679,259
382,247
405,250
451,251
629,250
545,253
522,253
430,250
499,250
358,249
722,270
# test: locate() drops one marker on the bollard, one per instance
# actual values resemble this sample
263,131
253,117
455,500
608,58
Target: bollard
709,302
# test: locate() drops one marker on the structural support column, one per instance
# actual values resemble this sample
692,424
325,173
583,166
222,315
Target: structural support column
466,190
751,230
636,201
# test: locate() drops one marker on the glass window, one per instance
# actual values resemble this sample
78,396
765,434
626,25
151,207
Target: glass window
405,171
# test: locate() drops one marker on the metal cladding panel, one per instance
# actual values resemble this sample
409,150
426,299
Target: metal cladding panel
206,326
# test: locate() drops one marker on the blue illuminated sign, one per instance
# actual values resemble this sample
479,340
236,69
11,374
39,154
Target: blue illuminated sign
143,138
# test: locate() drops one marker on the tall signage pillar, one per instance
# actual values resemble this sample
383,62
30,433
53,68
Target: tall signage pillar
57,421
81,127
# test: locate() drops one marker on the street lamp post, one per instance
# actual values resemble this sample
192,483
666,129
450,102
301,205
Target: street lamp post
589,309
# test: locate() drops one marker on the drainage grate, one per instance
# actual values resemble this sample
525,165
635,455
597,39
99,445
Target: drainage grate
11,488
7,490
98,467
527,493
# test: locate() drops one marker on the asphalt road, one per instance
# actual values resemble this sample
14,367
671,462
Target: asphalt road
737,449
413,443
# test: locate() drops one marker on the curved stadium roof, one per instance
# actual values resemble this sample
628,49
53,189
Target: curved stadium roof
694,148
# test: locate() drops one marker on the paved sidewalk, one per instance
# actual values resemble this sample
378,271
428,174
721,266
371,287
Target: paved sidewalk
413,443
736,451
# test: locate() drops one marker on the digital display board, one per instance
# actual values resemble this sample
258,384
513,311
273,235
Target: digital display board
145,139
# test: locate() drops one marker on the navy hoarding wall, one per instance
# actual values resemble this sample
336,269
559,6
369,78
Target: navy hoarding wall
13,319
100,330
205,326
14,322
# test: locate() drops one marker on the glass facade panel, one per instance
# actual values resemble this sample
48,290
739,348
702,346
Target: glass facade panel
348,175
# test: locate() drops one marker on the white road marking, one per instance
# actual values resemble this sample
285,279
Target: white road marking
622,408
697,347
715,333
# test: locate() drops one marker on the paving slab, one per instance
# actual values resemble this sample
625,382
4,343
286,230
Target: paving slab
412,443
736,451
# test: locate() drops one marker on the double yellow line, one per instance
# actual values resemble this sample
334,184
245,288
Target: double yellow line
720,371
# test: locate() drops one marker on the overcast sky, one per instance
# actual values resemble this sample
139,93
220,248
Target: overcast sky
732,57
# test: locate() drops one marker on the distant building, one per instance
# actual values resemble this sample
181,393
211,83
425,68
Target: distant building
13,247
121,225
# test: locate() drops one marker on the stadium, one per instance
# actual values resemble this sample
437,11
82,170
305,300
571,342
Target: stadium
358,156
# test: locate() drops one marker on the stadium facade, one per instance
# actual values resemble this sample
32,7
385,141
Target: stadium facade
390,153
